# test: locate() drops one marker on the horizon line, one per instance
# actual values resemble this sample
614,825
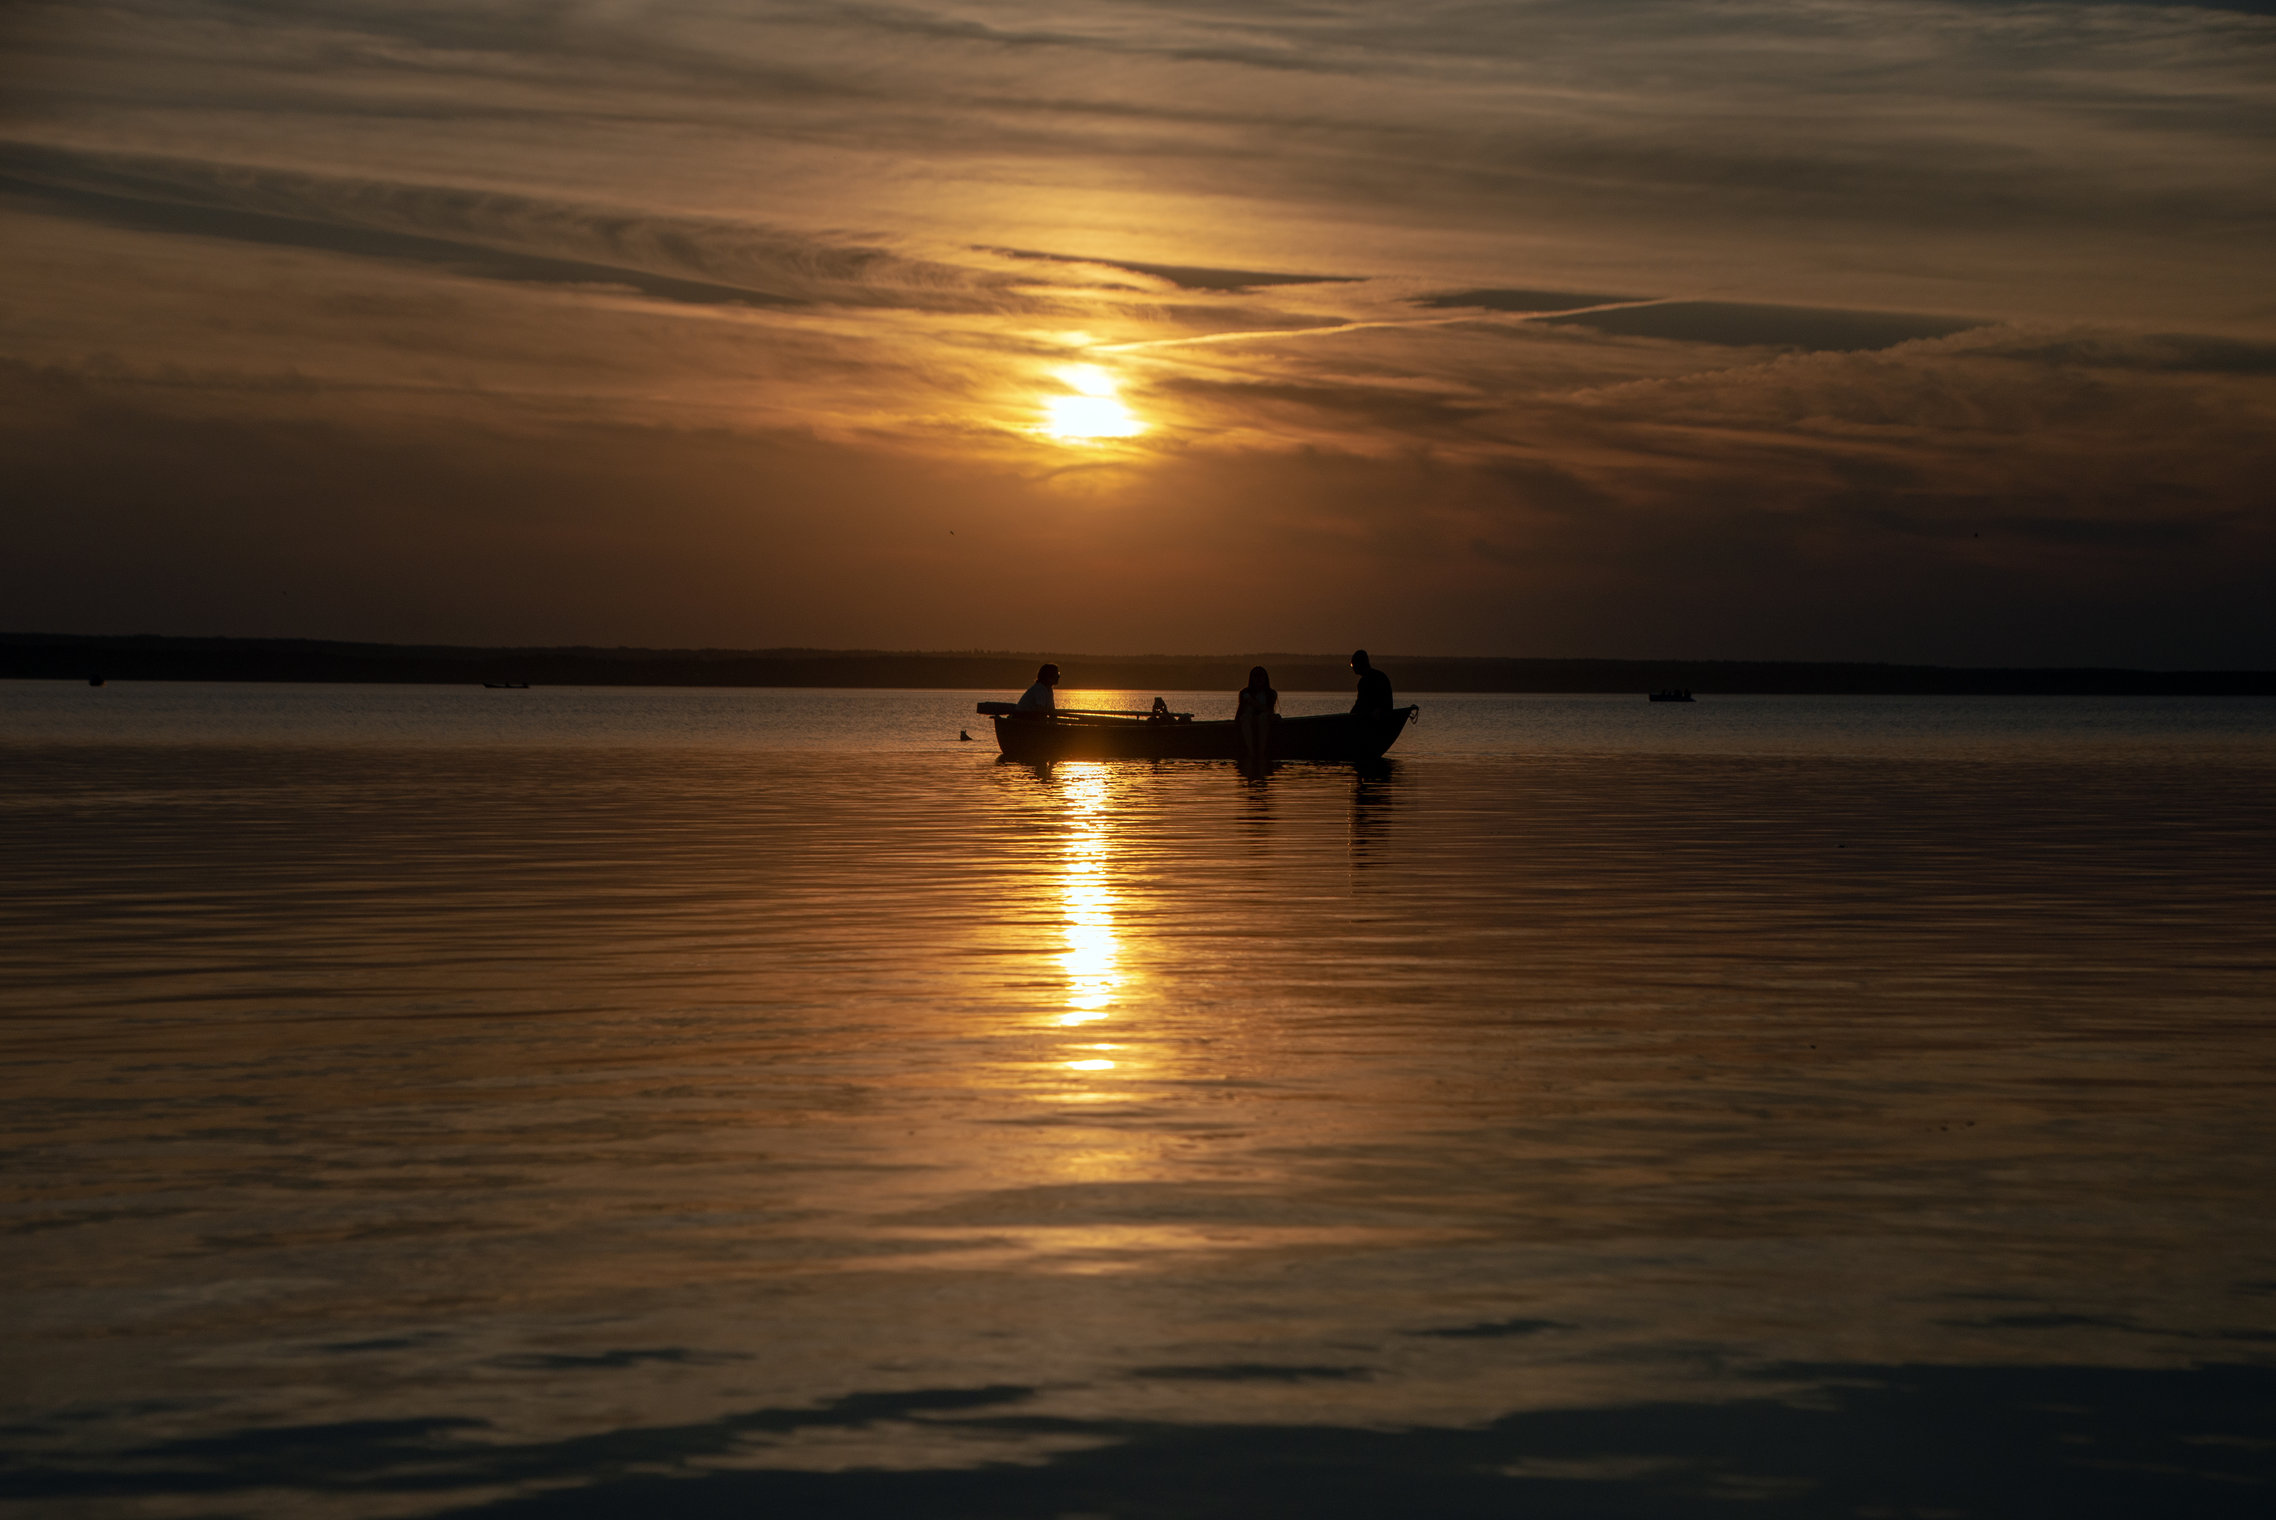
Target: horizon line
784,651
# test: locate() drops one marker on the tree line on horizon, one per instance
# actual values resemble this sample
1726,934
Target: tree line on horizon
151,657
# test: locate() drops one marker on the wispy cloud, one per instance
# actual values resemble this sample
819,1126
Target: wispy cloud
489,234
1185,276
1730,324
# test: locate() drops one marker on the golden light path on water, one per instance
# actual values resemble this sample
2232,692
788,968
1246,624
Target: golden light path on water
1092,959
1094,1070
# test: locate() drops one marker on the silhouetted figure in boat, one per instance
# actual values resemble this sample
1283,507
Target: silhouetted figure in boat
1253,717
1037,698
1374,686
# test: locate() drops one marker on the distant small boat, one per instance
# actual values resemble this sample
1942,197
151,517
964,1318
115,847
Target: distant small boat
1115,734
1673,694
505,686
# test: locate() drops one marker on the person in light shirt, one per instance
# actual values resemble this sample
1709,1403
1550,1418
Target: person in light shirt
1037,698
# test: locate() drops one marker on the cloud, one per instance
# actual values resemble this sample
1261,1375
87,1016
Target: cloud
487,234
1735,325
1340,416
1185,277
2181,353
458,257
1530,302
1904,115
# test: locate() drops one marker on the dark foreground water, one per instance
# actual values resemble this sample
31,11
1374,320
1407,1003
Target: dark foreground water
748,1103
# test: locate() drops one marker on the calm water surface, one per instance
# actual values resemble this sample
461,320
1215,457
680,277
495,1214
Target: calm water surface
429,1100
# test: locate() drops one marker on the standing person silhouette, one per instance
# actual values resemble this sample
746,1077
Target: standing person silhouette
1374,686
1037,698
1253,717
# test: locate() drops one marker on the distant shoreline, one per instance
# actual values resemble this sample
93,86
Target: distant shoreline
146,657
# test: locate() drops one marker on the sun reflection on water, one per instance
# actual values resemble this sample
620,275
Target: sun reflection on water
1092,957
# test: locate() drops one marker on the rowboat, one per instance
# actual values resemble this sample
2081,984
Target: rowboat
1120,734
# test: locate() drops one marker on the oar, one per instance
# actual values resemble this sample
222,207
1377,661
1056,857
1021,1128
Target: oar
1006,709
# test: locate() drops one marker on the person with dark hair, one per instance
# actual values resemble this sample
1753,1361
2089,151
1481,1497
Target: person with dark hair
1037,698
1374,686
1253,716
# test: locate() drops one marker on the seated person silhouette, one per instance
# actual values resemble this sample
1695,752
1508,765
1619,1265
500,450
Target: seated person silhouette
1253,717
1037,698
1374,686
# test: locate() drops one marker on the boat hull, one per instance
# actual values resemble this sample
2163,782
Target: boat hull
1329,736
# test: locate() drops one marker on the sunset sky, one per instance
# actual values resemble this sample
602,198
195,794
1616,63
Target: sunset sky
1851,329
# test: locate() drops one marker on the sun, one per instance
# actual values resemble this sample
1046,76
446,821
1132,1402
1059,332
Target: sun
1093,410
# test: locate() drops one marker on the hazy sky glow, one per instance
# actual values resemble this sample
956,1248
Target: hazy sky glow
1862,328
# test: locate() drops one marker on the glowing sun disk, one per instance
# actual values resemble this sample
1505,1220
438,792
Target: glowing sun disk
1093,411
1076,417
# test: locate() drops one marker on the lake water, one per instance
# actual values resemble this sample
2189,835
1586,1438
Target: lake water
586,1101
